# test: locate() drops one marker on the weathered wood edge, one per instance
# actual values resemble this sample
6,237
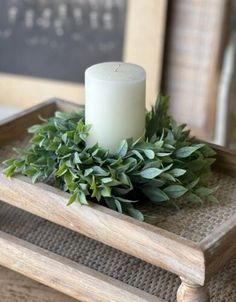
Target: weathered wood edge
48,107
28,111
16,125
219,247
71,278
139,239
225,160
15,287
63,105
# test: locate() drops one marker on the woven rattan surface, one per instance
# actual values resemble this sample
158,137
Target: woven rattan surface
192,221
196,221
107,260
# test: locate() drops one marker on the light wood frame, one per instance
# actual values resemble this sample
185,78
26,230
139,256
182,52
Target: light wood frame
195,39
76,280
194,262
143,45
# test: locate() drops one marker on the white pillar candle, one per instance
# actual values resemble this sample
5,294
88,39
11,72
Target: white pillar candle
114,103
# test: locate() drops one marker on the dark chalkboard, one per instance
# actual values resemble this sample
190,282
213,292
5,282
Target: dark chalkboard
59,39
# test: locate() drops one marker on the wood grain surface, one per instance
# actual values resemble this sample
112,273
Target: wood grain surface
71,278
191,261
149,243
15,287
192,64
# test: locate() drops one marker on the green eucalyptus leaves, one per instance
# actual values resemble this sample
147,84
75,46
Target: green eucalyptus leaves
166,164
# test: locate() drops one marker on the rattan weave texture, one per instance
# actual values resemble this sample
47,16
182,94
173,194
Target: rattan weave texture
105,259
196,221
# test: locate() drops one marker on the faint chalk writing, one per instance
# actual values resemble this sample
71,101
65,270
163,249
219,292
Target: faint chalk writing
12,14
59,38
108,21
94,19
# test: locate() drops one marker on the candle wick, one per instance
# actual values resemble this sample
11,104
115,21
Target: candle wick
117,67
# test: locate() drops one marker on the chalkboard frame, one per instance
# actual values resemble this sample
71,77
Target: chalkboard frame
143,45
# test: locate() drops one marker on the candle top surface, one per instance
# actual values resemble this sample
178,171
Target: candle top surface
116,71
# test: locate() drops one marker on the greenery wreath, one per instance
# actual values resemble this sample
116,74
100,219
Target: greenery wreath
165,164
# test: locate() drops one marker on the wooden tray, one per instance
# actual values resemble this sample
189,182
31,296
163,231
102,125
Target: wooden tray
193,242
87,269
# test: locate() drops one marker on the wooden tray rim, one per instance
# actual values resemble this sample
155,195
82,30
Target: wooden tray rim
193,261
73,279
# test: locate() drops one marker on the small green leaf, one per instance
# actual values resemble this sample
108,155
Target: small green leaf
167,167
88,171
83,136
187,151
135,214
76,138
158,144
38,139
68,177
177,172
138,154
155,194
149,153
77,159
150,173
153,164
156,182
63,151
80,126
82,198
123,148
106,191
19,163
83,186
204,191
212,198
193,183
36,177
163,154
34,129
193,198
126,200
10,171
9,162
118,205
64,137
114,183
62,170
208,151
168,176
175,191
106,180
110,203
72,199
99,171
93,187
30,171
124,178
